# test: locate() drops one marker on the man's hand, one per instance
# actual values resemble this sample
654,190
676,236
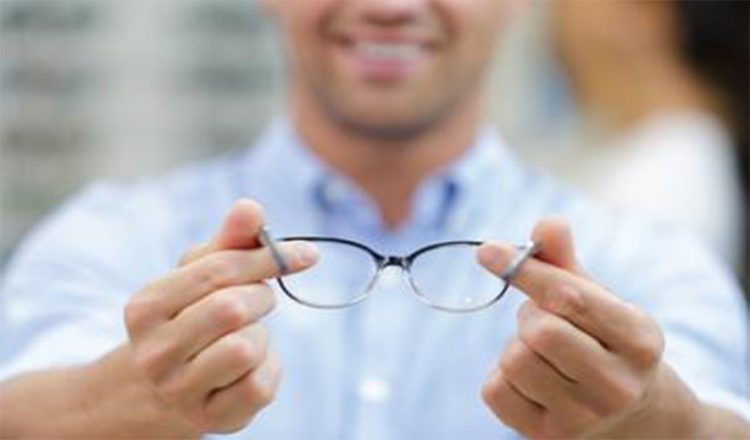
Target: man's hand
197,360
584,362
196,334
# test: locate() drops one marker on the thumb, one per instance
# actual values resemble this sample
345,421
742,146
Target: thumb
556,244
239,231
241,226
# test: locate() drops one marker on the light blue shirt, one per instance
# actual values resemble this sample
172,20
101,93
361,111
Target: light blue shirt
389,367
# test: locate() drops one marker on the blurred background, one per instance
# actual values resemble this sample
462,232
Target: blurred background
640,104
92,89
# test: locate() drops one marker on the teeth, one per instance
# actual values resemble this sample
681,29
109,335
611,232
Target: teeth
388,51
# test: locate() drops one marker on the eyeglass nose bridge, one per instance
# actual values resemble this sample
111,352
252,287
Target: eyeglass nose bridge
395,260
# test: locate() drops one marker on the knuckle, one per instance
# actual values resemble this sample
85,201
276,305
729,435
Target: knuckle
229,311
173,391
139,312
218,271
526,310
625,393
266,392
541,335
260,334
507,364
265,296
243,353
513,359
647,349
646,345
257,390
566,300
155,359
488,394
151,359
491,392
495,396
261,386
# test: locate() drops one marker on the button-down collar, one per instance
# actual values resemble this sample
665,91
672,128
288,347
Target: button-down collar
443,201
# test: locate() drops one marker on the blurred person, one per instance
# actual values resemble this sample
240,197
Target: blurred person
662,88
384,142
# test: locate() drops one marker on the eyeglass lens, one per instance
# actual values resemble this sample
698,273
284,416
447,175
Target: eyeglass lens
342,276
447,277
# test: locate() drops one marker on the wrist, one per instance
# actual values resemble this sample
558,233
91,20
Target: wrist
667,409
117,384
721,423
678,413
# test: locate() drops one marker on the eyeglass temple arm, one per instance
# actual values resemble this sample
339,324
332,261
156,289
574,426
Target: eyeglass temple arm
266,240
511,270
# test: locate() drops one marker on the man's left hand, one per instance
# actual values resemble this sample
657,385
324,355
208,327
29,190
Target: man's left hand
584,362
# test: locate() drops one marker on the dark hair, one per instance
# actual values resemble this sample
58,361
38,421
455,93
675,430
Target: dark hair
716,42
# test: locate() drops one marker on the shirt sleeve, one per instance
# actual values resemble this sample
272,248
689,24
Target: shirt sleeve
697,303
698,180
65,288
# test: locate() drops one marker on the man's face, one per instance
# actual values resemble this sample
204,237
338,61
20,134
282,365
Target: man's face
388,68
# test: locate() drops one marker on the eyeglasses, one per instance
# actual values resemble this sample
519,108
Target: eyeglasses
437,273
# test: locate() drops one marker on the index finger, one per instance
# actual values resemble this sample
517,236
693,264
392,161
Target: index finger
187,284
581,301
239,231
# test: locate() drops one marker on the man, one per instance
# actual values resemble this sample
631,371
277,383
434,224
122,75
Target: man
383,143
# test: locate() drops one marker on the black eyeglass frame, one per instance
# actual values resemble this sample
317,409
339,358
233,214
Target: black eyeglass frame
405,263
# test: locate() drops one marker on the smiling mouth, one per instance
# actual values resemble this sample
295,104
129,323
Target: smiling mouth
388,51
384,59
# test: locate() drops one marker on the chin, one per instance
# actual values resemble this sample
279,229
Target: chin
388,114
388,129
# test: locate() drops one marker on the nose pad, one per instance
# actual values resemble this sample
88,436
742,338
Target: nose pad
390,277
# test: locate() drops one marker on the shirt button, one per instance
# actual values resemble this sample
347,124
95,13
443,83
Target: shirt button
374,390
334,191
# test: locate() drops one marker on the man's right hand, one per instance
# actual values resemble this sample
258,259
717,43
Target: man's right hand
195,334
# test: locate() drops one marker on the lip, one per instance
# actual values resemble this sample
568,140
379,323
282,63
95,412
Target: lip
383,58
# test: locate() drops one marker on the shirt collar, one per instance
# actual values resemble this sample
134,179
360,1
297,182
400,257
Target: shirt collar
282,162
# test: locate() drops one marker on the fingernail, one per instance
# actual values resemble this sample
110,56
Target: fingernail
306,253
